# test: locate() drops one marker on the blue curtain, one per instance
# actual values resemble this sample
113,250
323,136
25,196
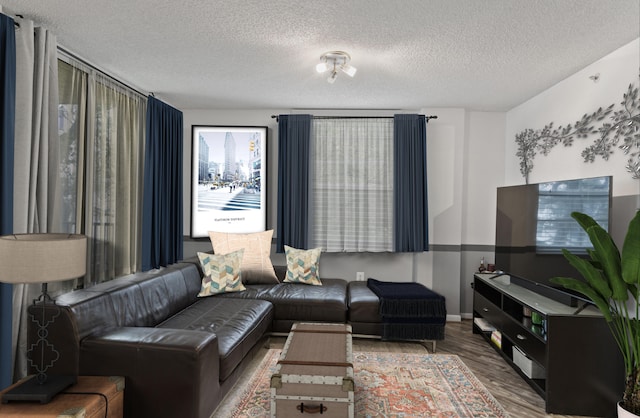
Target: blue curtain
410,183
162,197
294,145
7,128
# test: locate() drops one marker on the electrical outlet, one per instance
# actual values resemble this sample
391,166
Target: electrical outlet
360,276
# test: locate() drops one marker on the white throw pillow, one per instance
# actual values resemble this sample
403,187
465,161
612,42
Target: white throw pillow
256,263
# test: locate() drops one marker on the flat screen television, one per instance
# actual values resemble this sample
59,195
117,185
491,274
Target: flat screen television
534,223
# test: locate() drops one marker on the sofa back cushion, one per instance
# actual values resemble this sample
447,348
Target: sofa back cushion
140,299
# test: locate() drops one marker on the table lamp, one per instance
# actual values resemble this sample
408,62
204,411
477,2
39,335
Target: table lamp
41,258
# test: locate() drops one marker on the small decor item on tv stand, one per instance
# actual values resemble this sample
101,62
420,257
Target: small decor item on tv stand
481,269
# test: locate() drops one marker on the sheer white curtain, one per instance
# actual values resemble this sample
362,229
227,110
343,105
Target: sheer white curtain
37,202
101,123
113,168
352,184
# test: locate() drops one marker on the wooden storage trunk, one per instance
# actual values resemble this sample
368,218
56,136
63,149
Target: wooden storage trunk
91,397
315,372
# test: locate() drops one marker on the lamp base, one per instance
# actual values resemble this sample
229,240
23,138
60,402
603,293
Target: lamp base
32,391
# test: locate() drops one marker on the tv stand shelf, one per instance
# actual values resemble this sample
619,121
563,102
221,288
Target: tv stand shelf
565,353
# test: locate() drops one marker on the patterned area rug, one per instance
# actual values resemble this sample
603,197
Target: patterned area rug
388,385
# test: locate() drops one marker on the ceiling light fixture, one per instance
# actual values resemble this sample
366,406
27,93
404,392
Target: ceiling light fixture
334,61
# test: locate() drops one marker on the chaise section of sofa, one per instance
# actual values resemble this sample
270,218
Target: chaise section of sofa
296,302
180,354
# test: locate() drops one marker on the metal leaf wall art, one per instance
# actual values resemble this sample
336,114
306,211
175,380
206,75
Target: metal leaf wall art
614,128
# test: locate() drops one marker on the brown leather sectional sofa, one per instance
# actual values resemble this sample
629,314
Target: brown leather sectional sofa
181,354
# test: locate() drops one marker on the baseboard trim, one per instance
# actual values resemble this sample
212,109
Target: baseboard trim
454,318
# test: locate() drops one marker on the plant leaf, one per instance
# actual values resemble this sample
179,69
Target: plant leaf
588,291
592,275
609,257
594,258
605,253
584,220
630,258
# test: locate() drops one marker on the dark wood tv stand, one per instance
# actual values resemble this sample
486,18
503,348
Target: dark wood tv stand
569,352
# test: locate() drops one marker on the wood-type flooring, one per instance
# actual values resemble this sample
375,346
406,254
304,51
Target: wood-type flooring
513,393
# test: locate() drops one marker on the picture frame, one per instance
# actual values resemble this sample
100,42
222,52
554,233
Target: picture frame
228,179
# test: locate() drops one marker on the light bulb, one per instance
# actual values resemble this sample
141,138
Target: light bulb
349,70
332,77
322,67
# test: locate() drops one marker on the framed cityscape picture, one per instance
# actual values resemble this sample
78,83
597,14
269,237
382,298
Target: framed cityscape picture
228,183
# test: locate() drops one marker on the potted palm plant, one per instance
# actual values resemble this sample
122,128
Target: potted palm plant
611,279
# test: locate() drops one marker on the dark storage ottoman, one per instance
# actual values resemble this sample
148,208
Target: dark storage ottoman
365,318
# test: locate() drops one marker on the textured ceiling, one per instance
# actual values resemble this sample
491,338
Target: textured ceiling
478,54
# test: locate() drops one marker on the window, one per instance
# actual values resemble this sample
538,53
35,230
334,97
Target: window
101,124
351,192
72,90
556,229
353,184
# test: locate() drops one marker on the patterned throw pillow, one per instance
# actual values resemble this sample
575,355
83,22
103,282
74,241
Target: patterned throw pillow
221,273
303,266
256,264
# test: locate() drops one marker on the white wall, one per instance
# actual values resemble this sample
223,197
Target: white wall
565,103
438,269
484,156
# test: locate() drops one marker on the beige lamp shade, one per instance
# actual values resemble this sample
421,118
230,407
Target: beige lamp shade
40,258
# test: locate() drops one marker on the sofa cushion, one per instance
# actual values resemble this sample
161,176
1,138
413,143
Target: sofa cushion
294,301
221,273
238,323
364,305
164,292
303,266
252,291
164,364
256,264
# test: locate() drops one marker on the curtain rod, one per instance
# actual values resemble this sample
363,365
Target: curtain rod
83,61
427,118
93,67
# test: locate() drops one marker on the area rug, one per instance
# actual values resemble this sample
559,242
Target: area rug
388,385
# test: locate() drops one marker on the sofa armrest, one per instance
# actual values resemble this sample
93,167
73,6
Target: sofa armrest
169,372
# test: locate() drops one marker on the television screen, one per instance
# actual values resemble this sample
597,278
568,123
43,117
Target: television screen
534,223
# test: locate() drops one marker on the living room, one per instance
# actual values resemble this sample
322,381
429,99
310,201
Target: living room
471,152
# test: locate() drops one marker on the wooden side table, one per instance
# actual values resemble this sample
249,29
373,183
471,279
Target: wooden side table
91,397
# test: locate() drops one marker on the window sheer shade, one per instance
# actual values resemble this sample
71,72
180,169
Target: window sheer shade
556,229
101,125
351,182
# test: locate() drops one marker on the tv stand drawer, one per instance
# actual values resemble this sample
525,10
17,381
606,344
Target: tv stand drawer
526,341
488,310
